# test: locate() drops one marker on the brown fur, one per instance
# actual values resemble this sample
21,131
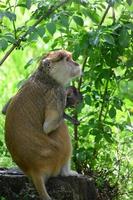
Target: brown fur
39,155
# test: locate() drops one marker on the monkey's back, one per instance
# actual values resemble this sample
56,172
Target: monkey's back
29,146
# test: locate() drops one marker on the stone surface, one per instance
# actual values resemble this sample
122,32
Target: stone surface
14,185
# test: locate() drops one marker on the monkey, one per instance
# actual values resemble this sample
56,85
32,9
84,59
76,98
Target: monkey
73,98
37,107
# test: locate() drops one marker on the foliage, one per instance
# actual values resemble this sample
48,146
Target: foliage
100,36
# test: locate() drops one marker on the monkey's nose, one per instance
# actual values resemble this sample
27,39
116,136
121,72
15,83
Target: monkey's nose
78,72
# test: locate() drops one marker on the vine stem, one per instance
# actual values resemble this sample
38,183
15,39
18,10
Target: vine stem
22,37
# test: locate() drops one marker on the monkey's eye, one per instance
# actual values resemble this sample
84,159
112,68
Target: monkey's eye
68,58
47,64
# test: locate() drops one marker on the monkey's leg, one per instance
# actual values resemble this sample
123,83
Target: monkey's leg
66,170
39,182
52,121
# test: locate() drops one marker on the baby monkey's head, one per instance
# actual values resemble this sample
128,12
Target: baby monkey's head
60,66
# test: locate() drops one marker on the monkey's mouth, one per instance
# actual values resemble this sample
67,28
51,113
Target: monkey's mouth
76,73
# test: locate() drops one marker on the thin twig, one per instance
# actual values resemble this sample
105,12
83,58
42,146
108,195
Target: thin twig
13,22
103,102
95,152
22,37
83,68
76,113
106,87
113,15
104,15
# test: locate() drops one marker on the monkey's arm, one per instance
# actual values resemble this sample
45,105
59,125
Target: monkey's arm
52,120
71,119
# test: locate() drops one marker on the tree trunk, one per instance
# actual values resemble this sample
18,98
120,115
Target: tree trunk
14,185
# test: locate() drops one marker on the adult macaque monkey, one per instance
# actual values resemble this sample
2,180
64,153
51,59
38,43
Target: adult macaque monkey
35,132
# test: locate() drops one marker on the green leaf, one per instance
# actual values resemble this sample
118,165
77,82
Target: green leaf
111,2
98,138
78,20
124,38
46,39
79,107
108,137
64,20
112,112
31,29
129,2
1,143
33,36
10,38
41,31
21,5
10,15
1,14
129,62
109,39
129,26
29,63
28,4
2,5
118,103
51,27
88,100
3,44
93,16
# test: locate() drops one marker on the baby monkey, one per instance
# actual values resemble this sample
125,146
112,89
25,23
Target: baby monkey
35,132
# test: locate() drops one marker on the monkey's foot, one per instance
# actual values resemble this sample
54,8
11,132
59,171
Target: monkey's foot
47,198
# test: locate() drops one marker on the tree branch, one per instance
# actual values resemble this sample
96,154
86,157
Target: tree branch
79,87
22,37
106,87
76,115
86,57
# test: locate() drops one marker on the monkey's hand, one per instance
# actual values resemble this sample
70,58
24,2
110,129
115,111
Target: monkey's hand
71,119
50,126
52,121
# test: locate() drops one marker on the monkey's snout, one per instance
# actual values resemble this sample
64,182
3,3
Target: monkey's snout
78,71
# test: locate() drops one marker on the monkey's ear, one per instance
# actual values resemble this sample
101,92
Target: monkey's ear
46,62
45,65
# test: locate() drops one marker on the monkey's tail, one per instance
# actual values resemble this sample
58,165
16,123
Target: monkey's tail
39,182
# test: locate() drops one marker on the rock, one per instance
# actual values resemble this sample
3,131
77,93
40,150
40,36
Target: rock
14,185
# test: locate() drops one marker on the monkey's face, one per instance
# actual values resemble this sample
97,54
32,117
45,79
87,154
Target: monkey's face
61,66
